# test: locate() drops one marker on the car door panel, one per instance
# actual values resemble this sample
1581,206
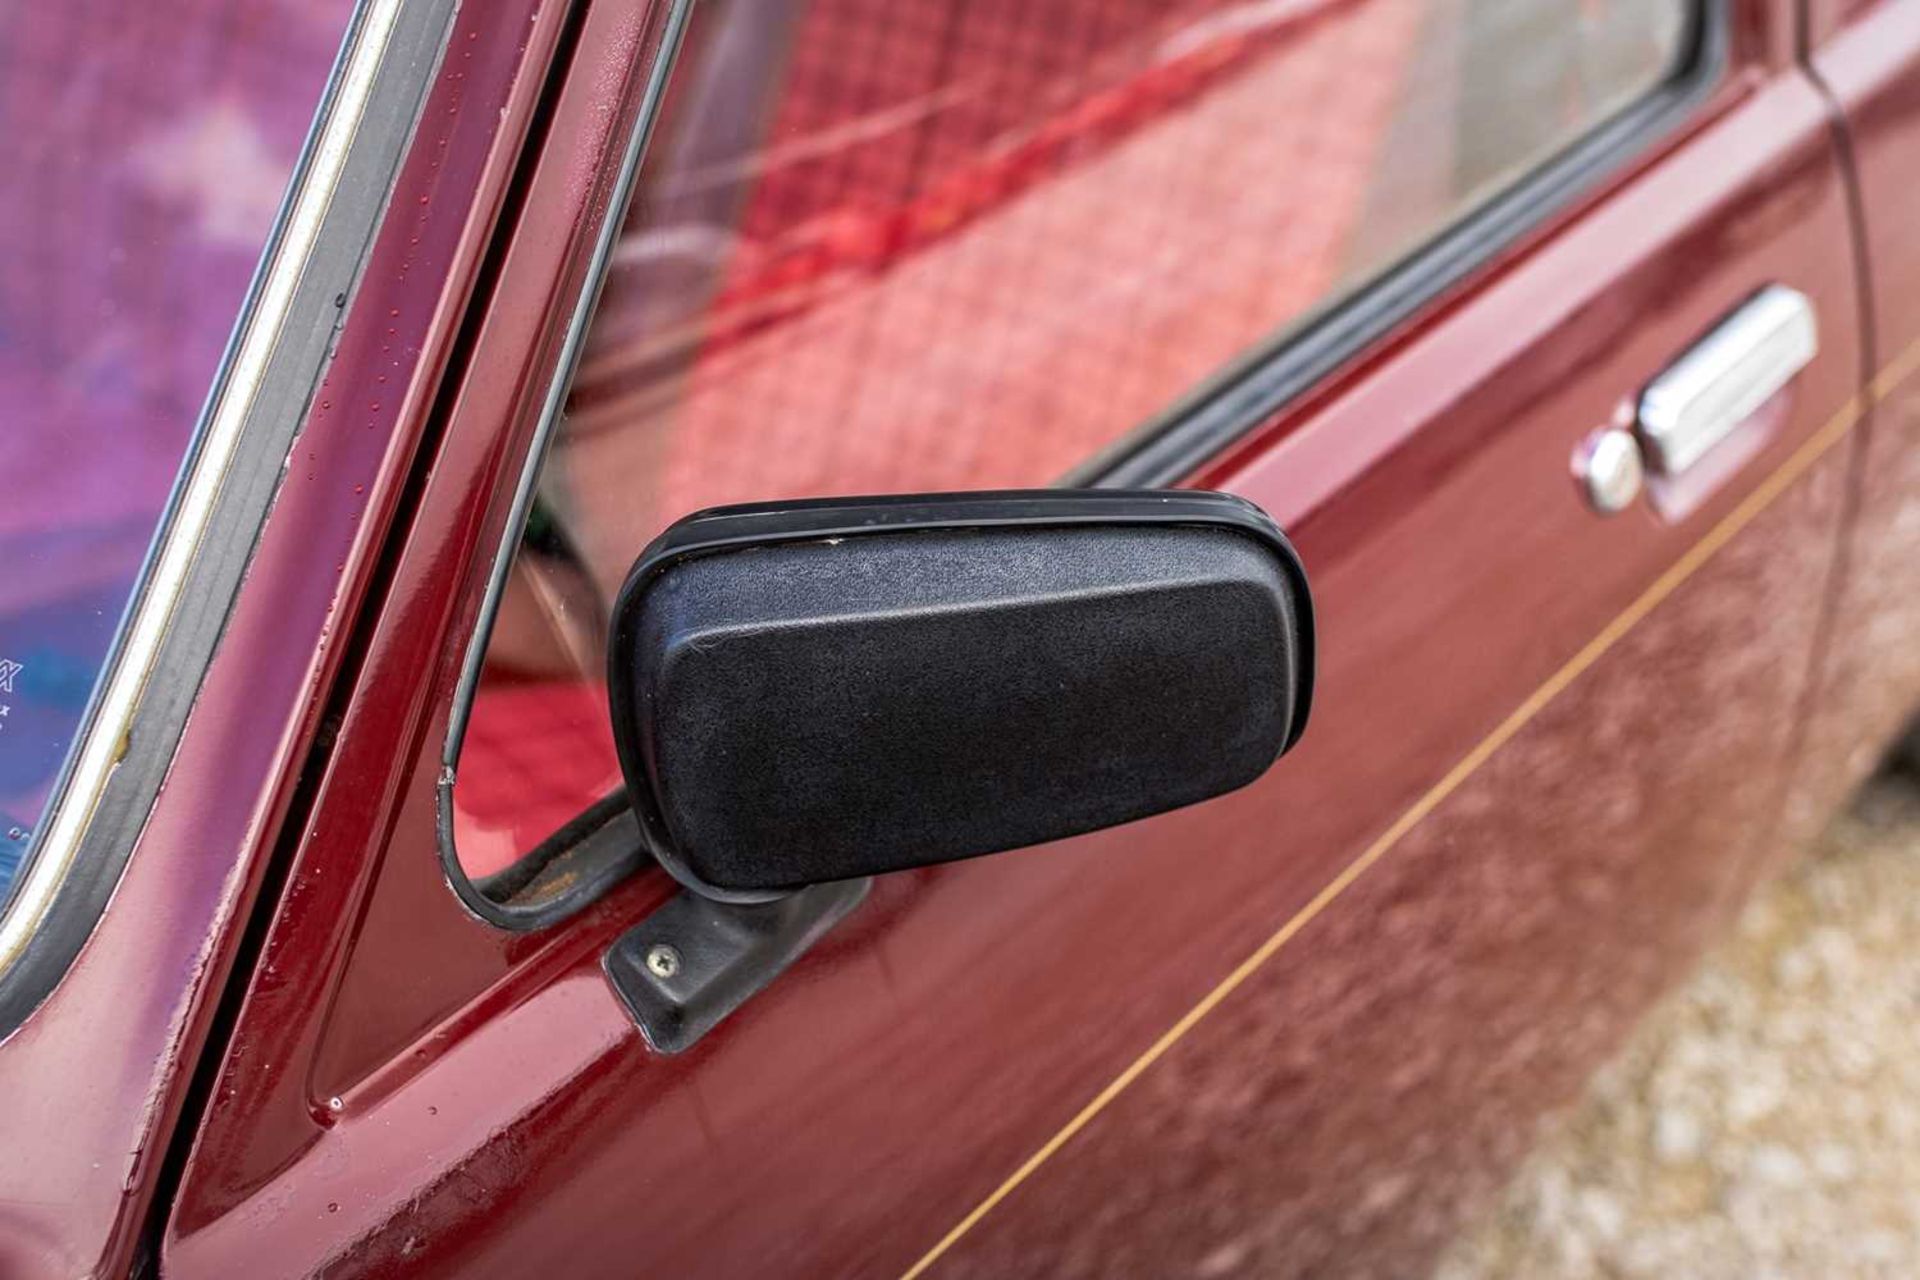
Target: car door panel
1306,1021
1540,878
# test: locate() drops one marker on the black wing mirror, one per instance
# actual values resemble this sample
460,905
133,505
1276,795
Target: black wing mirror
819,691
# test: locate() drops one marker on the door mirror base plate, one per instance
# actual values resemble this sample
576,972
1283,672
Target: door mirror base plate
687,966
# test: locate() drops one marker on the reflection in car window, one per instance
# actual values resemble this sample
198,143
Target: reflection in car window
146,148
885,245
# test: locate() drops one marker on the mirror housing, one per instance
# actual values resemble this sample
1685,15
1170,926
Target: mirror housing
818,691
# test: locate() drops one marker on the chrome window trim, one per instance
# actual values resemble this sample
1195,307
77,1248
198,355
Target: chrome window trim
283,339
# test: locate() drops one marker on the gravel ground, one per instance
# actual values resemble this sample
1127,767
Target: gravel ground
1766,1120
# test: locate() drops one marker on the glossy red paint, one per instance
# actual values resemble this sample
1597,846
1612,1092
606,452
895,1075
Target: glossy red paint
409,1091
1342,1108
107,1059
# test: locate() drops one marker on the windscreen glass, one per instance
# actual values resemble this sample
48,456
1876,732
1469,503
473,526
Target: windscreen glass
146,148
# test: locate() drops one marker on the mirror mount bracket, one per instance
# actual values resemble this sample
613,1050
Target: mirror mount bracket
695,960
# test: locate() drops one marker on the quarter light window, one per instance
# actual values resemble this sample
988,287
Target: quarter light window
145,149
886,245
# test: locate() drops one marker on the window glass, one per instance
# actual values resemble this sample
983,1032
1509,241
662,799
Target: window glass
145,148
886,245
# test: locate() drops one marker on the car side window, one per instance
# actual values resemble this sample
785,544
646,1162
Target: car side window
889,245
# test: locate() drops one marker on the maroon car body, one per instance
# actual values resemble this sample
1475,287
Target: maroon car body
1300,1029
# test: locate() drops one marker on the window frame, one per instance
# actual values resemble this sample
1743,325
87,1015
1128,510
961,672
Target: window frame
587,856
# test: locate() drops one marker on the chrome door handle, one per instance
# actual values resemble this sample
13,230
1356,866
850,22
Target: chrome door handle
1699,399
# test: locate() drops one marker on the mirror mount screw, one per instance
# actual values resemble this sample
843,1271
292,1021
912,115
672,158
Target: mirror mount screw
663,961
